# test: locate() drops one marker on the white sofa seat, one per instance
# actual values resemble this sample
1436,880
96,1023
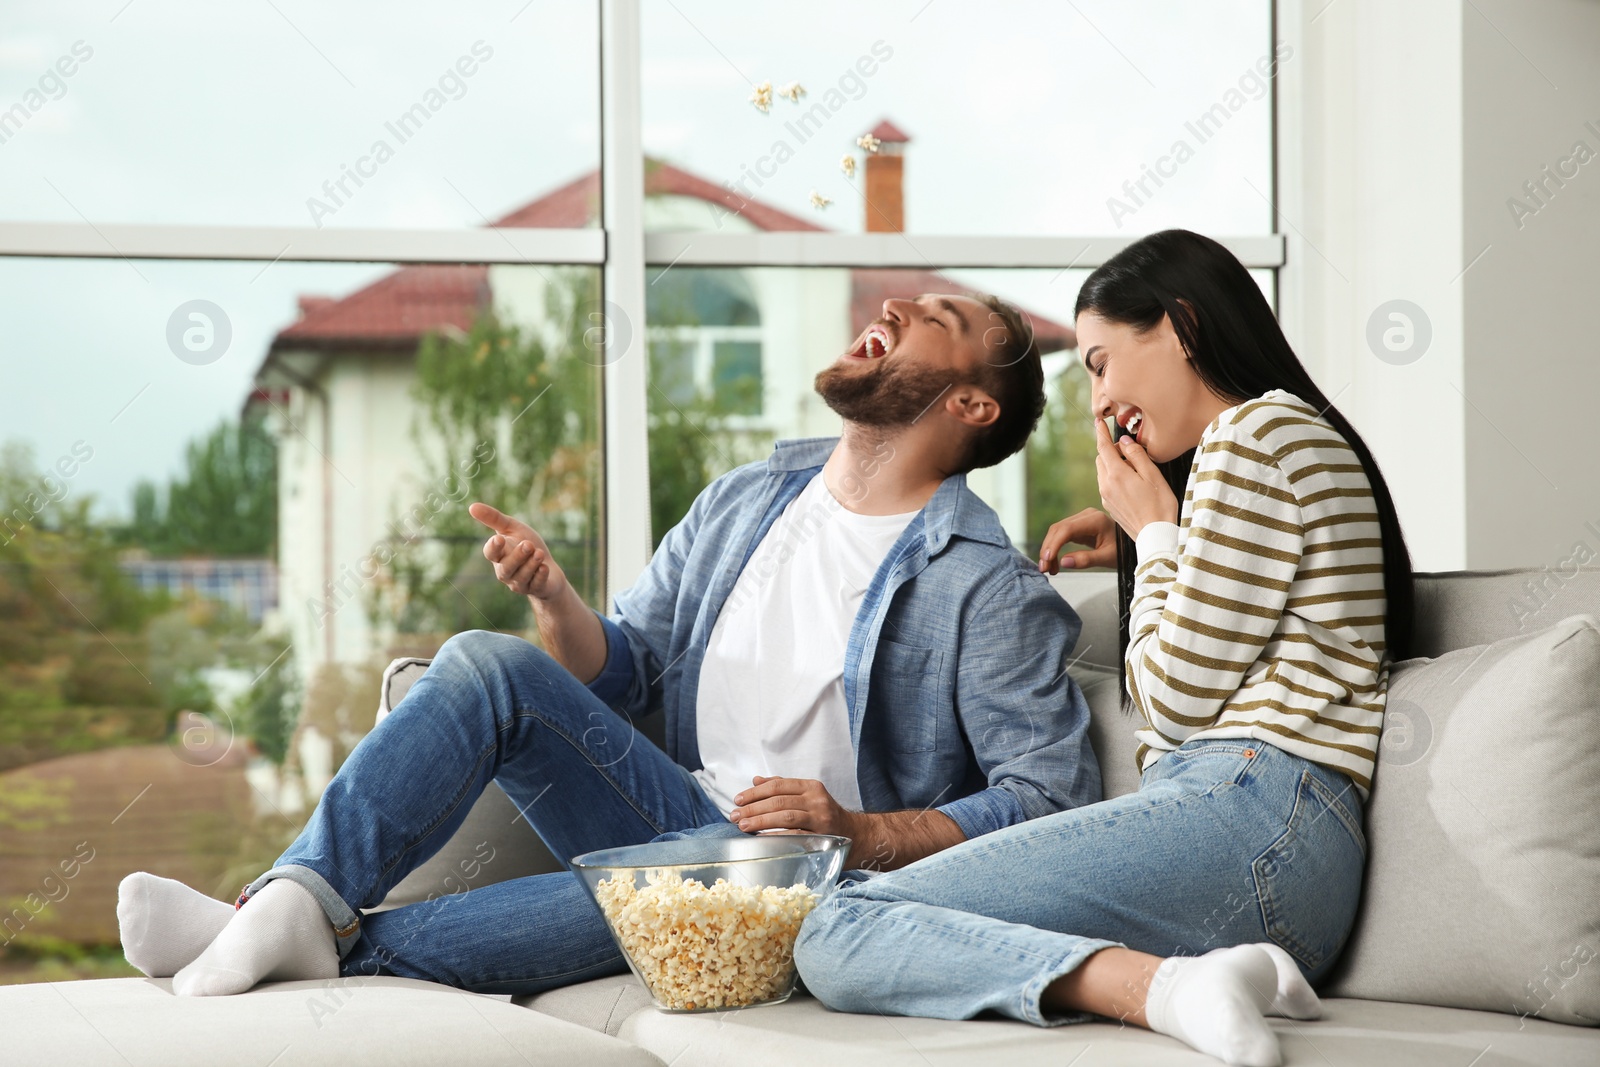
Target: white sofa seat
803,1033
396,1022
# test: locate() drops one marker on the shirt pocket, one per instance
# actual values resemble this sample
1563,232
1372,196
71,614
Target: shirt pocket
911,694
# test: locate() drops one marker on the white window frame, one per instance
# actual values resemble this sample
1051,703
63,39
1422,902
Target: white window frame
622,250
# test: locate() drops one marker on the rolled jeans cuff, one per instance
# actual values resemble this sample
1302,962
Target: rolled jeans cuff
1033,993
346,923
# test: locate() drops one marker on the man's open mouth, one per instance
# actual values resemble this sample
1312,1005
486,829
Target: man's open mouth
874,343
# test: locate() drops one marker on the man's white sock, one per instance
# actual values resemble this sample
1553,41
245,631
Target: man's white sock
281,934
1216,1004
165,924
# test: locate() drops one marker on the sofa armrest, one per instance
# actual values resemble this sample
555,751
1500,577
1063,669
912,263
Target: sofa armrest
398,678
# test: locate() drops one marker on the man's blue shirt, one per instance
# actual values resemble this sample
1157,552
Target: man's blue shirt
955,673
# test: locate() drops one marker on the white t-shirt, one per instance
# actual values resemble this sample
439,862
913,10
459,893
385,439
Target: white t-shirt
771,697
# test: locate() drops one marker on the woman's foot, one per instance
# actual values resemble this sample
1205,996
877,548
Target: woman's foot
1295,999
165,924
1217,1003
281,934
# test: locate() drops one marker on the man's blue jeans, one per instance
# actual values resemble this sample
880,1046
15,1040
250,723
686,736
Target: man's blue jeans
1225,843
490,708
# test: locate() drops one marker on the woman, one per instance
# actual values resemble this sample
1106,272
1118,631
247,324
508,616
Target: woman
1258,622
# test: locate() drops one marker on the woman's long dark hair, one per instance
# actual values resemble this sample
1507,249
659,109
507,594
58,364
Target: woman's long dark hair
1238,349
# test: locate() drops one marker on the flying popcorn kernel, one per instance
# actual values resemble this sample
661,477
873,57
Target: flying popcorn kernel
762,97
848,165
869,142
819,201
792,92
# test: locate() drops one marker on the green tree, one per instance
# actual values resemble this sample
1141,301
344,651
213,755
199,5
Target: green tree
268,711
73,653
507,414
225,503
1061,474
87,659
690,444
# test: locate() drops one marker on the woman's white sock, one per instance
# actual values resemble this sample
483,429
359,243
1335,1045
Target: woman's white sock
1295,998
165,924
281,934
1217,1004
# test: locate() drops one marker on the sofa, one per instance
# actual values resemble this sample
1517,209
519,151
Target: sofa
1475,946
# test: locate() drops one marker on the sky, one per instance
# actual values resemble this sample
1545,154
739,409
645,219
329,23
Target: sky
1024,118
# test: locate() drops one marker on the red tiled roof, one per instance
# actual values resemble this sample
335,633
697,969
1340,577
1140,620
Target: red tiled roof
577,204
666,180
571,207
397,309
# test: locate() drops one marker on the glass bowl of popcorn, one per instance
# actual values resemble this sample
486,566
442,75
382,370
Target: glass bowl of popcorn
709,924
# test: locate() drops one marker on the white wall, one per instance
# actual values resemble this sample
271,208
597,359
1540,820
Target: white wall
1369,153
1532,335
1403,129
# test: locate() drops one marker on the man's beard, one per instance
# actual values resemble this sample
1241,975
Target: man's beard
891,396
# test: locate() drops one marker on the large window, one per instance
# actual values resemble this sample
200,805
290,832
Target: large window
287,285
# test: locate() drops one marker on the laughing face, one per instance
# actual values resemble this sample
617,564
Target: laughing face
1146,381
906,359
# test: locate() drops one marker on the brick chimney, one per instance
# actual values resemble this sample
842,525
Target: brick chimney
886,205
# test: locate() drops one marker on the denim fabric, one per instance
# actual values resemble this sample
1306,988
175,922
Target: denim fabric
1225,843
955,674
489,708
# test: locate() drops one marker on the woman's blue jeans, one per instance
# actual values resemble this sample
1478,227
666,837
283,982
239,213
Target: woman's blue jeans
1225,843
490,708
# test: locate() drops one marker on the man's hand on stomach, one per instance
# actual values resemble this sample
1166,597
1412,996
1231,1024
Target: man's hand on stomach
879,840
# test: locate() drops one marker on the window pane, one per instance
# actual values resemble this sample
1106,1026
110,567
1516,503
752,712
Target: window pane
229,494
127,377
296,113
1030,118
673,361
736,376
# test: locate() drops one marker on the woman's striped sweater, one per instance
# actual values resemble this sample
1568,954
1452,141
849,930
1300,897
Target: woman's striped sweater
1261,613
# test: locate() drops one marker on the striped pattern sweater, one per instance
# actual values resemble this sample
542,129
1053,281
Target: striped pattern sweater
1261,614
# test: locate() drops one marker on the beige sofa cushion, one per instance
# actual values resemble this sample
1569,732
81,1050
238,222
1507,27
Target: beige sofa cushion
1483,877
802,1032
395,1022
1110,728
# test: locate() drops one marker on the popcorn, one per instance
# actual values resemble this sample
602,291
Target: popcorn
792,92
762,97
819,201
848,165
869,142
700,948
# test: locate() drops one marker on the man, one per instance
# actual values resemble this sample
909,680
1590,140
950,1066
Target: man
841,637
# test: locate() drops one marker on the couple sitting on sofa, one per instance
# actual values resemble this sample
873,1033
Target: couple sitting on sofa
843,640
